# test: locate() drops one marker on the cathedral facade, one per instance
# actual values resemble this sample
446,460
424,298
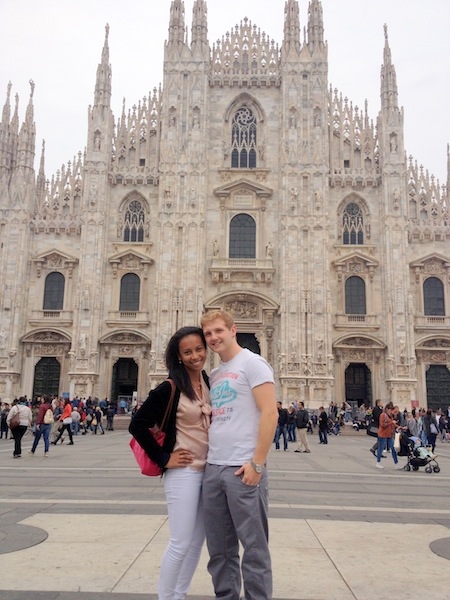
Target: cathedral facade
245,183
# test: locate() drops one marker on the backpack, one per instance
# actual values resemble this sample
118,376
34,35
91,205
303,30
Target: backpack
48,417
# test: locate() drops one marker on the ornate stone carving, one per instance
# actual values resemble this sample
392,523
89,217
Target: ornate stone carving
242,309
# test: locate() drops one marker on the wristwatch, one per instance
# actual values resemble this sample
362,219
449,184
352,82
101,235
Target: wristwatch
258,468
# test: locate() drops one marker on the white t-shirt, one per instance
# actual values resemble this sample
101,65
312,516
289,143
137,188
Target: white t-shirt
235,417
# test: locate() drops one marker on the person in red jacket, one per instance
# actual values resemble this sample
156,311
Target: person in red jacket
386,430
43,425
66,420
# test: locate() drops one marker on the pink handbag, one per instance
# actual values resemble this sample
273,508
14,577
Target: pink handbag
146,464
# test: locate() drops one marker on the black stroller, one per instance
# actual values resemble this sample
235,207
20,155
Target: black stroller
417,454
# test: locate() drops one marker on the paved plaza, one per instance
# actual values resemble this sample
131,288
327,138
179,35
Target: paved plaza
83,524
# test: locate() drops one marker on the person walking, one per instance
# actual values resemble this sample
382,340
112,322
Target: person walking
323,426
21,407
431,428
281,429
386,432
302,428
182,455
66,420
377,410
97,420
235,487
110,413
4,429
44,423
291,424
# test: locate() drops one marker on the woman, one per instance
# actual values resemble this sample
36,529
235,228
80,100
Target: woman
431,428
386,429
97,420
43,428
25,421
66,420
182,456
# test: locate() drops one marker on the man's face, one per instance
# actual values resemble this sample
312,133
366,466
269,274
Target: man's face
218,336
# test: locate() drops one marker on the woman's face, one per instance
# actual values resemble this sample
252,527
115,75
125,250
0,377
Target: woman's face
192,352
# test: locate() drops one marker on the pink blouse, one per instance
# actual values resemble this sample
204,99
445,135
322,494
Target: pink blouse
193,421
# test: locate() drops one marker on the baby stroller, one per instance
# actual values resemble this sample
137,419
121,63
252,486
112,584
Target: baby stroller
417,454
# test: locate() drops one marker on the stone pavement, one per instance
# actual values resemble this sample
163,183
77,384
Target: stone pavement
83,524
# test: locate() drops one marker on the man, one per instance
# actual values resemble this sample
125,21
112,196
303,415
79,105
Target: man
235,485
323,426
302,428
377,410
281,429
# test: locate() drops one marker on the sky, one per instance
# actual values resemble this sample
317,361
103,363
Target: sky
58,44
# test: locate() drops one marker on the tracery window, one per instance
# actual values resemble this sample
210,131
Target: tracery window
54,291
133,229
243,139
130,288
353,224
242,237
433,297
355,296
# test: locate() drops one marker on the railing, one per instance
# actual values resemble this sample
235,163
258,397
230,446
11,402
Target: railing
430,322
128,314
366,321
62,317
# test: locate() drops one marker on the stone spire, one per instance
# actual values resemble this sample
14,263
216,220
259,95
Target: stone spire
5,150
389,92
27,135
104,73
291,26
199,35
40,179
177,23
315,25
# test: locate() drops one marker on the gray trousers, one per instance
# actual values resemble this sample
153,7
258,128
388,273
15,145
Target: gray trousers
235,512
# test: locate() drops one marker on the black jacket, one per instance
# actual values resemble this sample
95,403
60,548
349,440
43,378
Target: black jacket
302,418
150,414
377,410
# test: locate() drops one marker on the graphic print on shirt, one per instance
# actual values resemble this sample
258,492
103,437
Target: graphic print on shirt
222,394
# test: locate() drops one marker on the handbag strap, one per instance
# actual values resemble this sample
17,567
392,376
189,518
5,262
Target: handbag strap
169,404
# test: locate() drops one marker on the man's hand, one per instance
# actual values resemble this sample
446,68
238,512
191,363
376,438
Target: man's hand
249,475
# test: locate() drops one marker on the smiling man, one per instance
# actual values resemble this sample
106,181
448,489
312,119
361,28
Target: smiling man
235,486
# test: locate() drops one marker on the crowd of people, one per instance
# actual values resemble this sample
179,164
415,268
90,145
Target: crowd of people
53,419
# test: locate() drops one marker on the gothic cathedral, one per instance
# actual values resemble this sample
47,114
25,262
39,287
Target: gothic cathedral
244,182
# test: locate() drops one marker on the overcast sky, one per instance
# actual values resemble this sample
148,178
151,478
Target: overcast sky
58,44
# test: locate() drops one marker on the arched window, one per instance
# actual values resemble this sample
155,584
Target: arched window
242,237
352,224
243,139
133,228
433,297
130,288
54,291
355,296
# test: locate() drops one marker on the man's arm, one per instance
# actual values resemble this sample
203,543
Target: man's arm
264,396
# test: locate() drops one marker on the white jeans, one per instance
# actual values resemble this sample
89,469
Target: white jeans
183,489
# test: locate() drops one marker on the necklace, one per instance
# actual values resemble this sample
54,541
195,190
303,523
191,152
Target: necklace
198,391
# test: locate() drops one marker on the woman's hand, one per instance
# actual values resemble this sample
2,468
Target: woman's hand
180,458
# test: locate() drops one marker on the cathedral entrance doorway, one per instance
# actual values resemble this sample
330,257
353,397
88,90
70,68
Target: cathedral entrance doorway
124,381
358,384
46,377
438,384
248,340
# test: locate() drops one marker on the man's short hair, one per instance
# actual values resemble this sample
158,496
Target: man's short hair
212,315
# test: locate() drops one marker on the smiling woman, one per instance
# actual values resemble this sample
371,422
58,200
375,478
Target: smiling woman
182,455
